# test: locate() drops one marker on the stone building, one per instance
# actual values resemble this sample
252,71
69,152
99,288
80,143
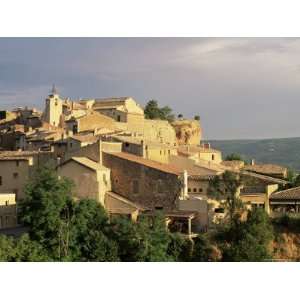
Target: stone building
147,149
123,109
268,169
53,109
147,183
91,179
8,211
285,202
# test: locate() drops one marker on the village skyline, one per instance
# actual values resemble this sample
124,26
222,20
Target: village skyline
227,81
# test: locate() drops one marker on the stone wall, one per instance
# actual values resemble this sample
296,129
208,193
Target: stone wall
143,185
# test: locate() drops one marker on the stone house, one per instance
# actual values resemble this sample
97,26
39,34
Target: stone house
285,202
147,183
8,211
91,179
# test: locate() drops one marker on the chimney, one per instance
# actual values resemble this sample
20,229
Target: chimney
185,184
206,145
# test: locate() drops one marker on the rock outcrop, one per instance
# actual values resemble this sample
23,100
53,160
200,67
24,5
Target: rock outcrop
188,132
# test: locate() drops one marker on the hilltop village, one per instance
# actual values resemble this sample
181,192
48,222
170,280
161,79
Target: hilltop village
130,164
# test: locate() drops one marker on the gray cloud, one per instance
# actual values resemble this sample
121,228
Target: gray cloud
241,87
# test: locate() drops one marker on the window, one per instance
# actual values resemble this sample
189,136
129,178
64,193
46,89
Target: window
213,157
6,202
169,152
119,118
189,190
15,175
200,190
71,145
159,208
0,180
17,163
194,190
126,145
160,152
135,186
7,220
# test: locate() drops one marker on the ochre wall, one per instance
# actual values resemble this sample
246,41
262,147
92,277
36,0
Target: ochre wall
11,184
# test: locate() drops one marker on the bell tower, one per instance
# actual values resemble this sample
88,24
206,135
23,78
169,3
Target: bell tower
53,110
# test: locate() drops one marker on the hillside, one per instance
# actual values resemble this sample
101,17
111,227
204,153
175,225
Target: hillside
285,151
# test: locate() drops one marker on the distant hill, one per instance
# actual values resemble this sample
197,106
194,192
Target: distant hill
285,151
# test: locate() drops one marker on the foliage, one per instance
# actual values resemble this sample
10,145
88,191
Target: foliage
248,240
153,111
225,187
233,156
197,118
29,250
202,249
283,151
21,249
7,249
48,211
146,240
91,231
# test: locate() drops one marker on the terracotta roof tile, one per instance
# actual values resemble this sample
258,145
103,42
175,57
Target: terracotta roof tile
167,168
290,194
266,168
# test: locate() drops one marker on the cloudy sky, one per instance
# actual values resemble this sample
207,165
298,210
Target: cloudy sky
240,87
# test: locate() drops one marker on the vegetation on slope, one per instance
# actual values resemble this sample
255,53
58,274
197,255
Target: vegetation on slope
61,229
278,151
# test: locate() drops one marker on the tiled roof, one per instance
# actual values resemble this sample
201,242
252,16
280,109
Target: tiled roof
12,154
138,141
107,103
266,168
264,177
290,194
233,163
88,138
167,168
87,163
125,200
191,150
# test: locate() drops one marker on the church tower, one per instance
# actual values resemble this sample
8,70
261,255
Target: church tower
54,108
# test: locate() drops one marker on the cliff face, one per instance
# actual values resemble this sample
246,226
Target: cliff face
188,132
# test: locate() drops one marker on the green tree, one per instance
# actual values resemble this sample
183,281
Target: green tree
28,250
233,156
7,248
91,233
48,211
153,111
249,240
225,187
202,249
146,240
